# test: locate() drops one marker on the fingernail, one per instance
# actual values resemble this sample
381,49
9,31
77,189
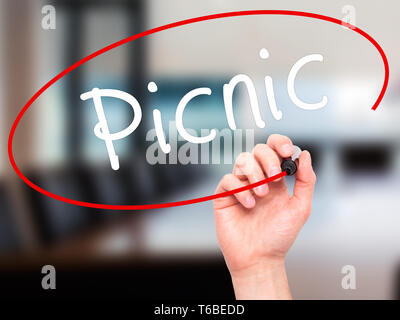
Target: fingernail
287,149
308,155
274,170
250,202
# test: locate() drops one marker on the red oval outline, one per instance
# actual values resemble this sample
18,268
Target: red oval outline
155,30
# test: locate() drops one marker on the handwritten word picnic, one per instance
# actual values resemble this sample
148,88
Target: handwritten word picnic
101,129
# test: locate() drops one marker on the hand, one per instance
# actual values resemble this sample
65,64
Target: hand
256,228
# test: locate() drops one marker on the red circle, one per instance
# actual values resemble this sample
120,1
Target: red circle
155,30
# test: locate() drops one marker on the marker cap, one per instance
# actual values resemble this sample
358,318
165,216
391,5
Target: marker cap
289,164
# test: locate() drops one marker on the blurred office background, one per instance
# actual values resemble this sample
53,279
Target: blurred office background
173,253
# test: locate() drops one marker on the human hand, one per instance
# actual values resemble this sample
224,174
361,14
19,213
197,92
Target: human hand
256,228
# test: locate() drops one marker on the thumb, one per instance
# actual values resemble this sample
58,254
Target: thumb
304,185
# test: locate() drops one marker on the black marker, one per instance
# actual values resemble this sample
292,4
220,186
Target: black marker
289,164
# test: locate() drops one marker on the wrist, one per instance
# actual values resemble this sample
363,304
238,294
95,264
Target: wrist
263,280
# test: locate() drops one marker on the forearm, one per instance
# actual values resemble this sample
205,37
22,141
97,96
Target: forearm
265,281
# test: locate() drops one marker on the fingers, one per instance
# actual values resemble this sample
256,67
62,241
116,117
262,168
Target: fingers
230,182
268,159
305,181
282,145
265,161
247,168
